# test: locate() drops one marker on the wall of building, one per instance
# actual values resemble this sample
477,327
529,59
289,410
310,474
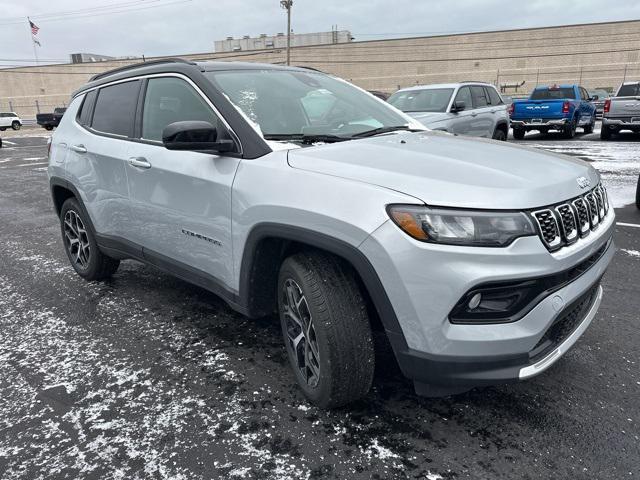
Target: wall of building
280,41
595,55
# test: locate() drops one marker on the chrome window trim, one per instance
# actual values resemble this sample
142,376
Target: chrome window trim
159,75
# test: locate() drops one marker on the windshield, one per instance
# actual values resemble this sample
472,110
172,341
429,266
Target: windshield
293,103
552,93
629,90
602,94
422,100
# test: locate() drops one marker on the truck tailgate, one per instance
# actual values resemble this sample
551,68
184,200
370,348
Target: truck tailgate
625,107
544,109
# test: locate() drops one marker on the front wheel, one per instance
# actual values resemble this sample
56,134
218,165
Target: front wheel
500,135
2,129
326,329
605,133
80,244
48,127
15,125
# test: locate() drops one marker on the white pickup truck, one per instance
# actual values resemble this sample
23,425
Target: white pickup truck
622,112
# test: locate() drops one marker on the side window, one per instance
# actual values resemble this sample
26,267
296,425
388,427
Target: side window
84,113
115,108
169,100
464,95
479,97
494,97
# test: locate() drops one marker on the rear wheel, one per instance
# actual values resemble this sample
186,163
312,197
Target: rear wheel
605,133
589,128
570,130
2,129
518,133
80,244
15,125
499,134
326,329
48,127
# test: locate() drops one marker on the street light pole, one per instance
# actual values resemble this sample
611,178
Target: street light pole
286,4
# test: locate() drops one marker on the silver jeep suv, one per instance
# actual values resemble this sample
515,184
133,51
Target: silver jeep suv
287,190
468,108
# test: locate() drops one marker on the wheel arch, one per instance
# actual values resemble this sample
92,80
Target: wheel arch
269,243
61,191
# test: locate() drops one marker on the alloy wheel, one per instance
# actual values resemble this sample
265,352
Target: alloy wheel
300,332
76,239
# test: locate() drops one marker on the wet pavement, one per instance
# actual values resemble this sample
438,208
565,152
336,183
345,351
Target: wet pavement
146,376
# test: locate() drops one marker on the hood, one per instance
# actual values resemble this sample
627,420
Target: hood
427,118
444,170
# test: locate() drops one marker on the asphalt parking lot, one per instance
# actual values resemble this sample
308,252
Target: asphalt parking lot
146,376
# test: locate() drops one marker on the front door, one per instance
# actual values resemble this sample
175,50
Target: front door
180,200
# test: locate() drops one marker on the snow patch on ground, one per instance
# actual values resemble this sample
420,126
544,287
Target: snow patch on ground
631,253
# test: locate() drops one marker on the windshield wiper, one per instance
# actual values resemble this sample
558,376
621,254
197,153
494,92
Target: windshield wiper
305,138
379,130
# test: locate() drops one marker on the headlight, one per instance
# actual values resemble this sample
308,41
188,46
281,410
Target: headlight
461,227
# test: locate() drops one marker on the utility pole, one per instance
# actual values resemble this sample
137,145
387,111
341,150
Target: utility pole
286,4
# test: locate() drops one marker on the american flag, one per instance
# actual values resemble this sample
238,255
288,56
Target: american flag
34,28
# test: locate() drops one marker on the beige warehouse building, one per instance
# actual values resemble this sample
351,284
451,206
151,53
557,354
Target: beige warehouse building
599,55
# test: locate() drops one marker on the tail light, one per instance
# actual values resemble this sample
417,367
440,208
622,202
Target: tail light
512,108
565,107
607,105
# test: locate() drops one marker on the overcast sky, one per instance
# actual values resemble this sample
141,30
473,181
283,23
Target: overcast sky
173,27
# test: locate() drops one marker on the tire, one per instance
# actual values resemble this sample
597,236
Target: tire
333,362
48,127
15,125
499,135
638,194
589,128
2,129
570,130
605,133
518,133
83,253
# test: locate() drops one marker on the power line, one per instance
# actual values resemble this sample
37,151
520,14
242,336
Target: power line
101,11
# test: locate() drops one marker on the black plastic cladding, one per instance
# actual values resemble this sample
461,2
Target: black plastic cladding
557,223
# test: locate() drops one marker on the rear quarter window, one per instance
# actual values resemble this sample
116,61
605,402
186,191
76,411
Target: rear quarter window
115,108
84,113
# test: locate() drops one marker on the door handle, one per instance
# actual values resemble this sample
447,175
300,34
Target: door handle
79,148
139,162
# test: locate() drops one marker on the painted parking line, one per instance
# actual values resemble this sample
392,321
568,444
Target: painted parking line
10,143
32,164
634,225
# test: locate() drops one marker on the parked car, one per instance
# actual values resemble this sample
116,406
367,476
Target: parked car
9,119
599,96
468,108
557,107
622,112
480,262
50,120
379,94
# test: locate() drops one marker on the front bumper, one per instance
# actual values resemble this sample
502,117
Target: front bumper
531,124
424,282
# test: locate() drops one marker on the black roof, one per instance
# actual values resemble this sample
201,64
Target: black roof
177,65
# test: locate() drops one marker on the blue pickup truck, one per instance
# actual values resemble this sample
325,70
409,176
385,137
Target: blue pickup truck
556,107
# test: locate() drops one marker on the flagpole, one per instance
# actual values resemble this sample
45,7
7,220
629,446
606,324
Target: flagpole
33,42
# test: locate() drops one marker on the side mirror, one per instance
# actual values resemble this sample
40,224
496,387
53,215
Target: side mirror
195,136
594,98
458,106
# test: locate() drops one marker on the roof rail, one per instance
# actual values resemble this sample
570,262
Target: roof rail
475,81
137,65
309,68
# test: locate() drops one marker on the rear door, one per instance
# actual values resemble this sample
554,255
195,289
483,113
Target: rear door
180,200
482,119
98,150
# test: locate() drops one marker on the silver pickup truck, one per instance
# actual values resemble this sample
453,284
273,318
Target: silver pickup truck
622,112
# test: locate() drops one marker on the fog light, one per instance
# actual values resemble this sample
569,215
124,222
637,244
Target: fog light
475,301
